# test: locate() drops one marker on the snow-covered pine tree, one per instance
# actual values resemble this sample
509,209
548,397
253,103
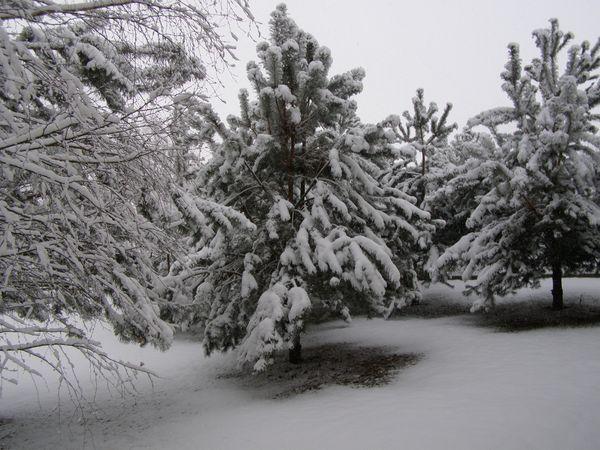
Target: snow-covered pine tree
540,210
81,90
321,230
422,139
458,177
422,135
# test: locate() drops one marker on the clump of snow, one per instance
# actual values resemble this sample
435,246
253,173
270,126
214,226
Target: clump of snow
299,303
263,338
283,92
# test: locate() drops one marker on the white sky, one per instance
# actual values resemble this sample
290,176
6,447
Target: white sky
455,50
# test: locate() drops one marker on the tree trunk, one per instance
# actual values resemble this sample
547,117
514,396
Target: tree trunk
423,170
557,290
303,180
295,353
292,155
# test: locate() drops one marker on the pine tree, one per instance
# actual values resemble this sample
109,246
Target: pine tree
424,136
321,231
458,177
539,210
422,139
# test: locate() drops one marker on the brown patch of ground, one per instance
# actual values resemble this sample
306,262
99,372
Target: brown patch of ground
331,364
530,316
511,315
432,310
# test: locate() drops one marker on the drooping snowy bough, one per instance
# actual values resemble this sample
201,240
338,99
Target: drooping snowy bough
318,229
82,87
538,205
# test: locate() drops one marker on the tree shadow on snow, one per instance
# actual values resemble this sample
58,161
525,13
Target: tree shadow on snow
523,316
510,314
428,309
325,365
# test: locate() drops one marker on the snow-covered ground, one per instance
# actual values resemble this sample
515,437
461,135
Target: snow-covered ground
473,389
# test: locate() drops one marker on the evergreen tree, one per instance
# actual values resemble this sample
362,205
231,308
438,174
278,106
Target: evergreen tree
538,206
422,139
456,181
321,231
424,136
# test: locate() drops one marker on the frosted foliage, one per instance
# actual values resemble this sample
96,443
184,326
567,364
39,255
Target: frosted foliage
265,330
422,154
536,185
82,164
299,303
421,138
300,165
263,338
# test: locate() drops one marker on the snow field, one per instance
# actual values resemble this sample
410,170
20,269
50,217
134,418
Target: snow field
474,389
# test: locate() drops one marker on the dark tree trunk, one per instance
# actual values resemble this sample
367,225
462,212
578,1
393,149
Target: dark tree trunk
423,187
291,174
557,290
303,179
295,354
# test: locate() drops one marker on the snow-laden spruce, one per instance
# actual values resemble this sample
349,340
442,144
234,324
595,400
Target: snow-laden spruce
538,205
423,138
458,175
82,86
321,232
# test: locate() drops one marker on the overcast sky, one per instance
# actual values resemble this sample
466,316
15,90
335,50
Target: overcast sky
455,50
